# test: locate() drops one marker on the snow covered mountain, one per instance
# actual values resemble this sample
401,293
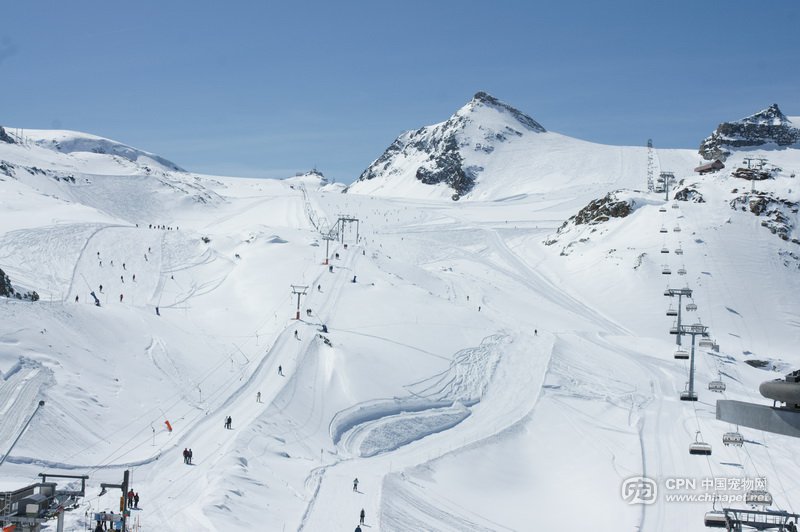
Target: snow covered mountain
768,128
488,150
485,365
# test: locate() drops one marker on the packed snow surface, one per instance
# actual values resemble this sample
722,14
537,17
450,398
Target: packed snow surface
471,377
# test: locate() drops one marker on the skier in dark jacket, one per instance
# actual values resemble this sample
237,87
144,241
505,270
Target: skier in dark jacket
362,516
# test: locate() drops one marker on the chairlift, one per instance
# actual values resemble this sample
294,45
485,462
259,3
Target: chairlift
715,519
758,497
664,250
674,205
665,270
681,271
700,447
686,395
716,386
733,438
662,209
679,251
691,307
667,292
663,230
677,229
681,354
671,311
705,342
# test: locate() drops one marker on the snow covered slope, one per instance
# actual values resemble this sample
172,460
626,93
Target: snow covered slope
477,365
490,151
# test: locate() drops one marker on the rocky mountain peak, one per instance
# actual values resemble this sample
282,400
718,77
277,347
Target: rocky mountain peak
444,153
5,137
487,100
768,126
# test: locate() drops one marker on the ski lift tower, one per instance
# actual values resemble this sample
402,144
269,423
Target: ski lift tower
680,292
650,165
327,237
298,291
666,179
346,219
693,330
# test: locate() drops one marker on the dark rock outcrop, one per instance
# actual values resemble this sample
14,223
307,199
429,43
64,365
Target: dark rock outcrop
779,214
5,137
7,290
769,126
689,194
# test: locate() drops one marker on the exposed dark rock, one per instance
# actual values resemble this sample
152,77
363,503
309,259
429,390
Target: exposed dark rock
5,137
7,290
769,126
596,212
780,214
689,193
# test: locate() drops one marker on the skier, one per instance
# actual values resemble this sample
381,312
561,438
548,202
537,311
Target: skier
157,312
120,298
479,308
190,456
76,299
101,289
295,335
535,332
186,455
123,266
136,500
228,422
330,269
258,397
355,484
280,371
134,277
324,328
362,516
319,288
358,529
354,278
121,279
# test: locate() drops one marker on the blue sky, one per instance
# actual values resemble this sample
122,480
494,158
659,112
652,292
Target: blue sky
267,89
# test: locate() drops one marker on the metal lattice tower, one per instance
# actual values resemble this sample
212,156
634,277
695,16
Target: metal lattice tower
651,166
666,179
680,292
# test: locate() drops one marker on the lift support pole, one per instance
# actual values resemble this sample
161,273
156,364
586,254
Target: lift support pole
298,291
40,405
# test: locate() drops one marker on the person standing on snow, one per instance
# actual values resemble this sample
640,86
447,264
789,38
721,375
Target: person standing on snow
190,456
362,516
280,371
136,500
355,484
186,455
258,397
120,298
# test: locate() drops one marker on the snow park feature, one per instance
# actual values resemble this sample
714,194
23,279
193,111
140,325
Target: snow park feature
484,364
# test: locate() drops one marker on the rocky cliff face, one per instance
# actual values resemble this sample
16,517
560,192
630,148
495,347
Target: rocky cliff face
4,137
437,151
769,126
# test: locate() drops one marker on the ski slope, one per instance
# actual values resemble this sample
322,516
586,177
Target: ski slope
474,378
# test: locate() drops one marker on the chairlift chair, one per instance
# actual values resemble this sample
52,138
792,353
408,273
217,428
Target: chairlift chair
691,307
681,354
679,251
674,205
676,229
715,519
758,497
686,395
716,386
662,209
671,311
733,438
700,447
681,271
664,250
663,230
665,270
705,342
